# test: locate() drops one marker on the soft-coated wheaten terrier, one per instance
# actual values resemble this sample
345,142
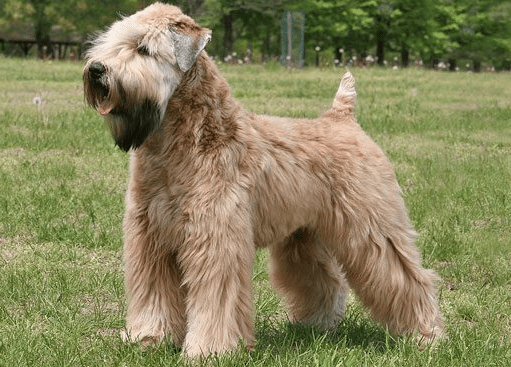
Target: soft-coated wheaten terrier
211,182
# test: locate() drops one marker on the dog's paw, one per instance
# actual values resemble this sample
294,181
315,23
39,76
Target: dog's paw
128,336
436,336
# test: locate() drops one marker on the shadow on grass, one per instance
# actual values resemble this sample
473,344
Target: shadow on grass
354,332
278,339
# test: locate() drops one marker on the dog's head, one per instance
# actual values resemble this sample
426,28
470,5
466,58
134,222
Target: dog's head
135,66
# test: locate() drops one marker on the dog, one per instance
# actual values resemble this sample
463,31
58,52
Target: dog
211,182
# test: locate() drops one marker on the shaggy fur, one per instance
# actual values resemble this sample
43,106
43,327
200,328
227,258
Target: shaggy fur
211,182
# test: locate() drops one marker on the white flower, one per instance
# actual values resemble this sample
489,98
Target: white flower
37,100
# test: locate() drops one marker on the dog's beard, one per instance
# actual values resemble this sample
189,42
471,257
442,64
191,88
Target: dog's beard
131,125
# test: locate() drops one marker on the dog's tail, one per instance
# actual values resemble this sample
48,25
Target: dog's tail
346,94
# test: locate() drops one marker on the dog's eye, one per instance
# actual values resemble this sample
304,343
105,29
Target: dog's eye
143,50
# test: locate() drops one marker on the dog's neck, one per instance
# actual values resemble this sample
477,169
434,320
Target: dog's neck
193,109
203,85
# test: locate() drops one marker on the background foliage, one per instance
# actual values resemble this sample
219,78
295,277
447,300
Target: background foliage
477,32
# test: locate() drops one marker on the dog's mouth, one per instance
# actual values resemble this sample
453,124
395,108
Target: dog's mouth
102,102
98,97
106,108
97,91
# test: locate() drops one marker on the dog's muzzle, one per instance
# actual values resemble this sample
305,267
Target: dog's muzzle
131,122
97,78
96,71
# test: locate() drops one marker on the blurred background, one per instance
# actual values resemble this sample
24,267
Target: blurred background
442,34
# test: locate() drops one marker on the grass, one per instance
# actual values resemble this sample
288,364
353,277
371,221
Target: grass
62,185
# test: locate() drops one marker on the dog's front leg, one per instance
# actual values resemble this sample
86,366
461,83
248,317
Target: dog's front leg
216,261
156,307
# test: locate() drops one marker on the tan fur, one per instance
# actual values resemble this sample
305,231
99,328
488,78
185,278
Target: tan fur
212,182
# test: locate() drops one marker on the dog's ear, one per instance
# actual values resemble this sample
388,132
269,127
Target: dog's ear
188,47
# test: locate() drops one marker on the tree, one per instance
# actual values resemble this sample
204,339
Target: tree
485,34
476,30
242,17
412,27
16,11
346,25
67,15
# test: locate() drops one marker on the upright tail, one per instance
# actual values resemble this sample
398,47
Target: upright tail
346,94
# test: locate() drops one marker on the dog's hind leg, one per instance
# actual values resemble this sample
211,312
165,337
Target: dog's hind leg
310,280
384,268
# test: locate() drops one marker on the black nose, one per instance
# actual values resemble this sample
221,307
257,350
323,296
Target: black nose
96,70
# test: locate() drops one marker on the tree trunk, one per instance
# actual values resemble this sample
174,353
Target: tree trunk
338,53
228,36
434,62
42,38
405,56
266,51
452,64
477,66
380,48
381,39
42,27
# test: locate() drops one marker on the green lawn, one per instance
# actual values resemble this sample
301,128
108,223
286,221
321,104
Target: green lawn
62,186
